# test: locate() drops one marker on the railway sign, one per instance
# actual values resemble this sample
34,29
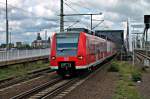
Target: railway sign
147,21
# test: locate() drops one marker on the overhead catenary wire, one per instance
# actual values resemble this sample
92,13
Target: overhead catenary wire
72,24
14,11
82,14
74,11
34,16
76,4
28,15
70,7
98,24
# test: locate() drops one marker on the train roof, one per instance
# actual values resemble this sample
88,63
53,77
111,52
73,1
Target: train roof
77,32
80,30
71,32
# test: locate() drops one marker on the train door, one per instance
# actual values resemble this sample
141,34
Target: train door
108,47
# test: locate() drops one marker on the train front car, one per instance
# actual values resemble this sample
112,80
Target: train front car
68,53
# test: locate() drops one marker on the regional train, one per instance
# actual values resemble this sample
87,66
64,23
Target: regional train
75,51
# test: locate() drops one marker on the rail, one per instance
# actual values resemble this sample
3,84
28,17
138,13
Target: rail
30,75
143,53
144,56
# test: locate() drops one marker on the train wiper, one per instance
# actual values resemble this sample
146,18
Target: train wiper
62,49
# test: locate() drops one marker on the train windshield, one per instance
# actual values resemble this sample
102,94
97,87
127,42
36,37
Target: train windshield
67,44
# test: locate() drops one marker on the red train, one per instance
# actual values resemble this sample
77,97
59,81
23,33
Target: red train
73,51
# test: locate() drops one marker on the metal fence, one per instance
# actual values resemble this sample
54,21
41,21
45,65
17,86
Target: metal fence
21,54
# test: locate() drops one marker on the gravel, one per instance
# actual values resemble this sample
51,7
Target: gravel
100,86
11,91
144,86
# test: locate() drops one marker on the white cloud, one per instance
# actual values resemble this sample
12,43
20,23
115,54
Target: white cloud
2,38
31,16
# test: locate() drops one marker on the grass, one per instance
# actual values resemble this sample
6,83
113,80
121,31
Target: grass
128,76
126,91
20,70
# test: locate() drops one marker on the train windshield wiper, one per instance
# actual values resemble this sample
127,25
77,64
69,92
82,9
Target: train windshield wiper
62,49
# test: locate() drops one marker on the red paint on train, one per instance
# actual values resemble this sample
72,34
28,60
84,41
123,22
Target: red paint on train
88,51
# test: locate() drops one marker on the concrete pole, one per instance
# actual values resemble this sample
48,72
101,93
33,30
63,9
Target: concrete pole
61,16
7,31
91,22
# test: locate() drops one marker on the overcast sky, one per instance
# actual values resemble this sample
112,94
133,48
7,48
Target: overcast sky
27,17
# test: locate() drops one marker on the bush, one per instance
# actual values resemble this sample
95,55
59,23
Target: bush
114,67
124,91
125,87
136,76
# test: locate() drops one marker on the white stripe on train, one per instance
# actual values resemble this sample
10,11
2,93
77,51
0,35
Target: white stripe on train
85,66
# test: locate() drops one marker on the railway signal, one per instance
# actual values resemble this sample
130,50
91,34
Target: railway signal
147,26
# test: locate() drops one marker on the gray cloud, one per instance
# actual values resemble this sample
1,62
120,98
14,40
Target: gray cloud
35,16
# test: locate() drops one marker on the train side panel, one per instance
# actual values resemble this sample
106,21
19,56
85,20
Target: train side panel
91,50
98,49
53,62
81,63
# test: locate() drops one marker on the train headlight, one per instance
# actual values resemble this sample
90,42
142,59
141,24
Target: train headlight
80,57
53,57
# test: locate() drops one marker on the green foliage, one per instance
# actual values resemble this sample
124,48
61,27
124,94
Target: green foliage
125,87
24,46
114,67
124,91
136,76
19,70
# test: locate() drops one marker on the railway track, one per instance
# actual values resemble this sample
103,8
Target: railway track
47,90
142,55
54,87
14,80
143,52
48,94
36,89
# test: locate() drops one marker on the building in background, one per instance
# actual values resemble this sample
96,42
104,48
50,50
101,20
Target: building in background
11,45
18,44
39,43
22,45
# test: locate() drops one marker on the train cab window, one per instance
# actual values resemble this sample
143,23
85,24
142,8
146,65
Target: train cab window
67,44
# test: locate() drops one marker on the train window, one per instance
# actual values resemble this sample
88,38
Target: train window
67,44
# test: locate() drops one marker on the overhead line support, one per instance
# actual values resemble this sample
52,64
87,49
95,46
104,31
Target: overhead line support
84,14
